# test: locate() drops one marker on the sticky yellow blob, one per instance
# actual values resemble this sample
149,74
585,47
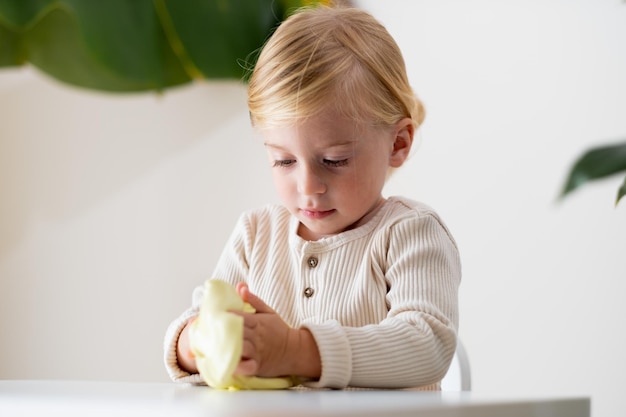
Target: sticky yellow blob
216,338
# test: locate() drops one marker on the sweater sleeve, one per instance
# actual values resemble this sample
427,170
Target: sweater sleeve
414,345
171,341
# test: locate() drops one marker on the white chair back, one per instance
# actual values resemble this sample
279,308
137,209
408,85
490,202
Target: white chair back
458,377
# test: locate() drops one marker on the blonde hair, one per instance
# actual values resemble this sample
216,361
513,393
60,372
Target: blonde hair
331,57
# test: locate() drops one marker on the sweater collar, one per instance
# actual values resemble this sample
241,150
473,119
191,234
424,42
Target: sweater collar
334,241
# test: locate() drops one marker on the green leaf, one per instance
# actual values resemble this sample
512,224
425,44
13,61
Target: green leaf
57,46
138,45
9,47
117,45
217,36
15,17
19,14
621,192
595,164
126,38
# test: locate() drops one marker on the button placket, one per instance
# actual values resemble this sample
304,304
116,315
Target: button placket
312,263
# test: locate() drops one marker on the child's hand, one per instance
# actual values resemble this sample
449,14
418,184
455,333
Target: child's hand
186,358
270,347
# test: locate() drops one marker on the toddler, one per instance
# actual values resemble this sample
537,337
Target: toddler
350,288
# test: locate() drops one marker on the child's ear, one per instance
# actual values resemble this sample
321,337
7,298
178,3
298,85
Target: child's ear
403,139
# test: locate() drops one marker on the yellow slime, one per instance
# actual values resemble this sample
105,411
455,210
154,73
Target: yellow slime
216,338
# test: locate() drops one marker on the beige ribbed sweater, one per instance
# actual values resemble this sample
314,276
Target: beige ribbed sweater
380,300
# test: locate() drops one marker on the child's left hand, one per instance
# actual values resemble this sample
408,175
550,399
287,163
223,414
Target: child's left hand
270,347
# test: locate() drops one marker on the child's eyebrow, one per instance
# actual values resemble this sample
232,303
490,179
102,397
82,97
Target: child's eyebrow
271,145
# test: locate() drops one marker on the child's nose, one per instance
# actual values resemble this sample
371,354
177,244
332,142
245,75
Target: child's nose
310,182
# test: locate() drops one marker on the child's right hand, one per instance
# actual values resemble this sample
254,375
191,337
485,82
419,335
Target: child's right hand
186,358
270,347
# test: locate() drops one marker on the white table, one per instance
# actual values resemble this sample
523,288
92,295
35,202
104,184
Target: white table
117,399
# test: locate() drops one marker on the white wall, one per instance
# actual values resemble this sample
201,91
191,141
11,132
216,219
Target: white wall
113,207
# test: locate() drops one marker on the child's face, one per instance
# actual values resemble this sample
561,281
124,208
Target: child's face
330,173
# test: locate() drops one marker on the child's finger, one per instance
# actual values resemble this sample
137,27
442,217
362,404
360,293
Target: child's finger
247,367
240,287
247,350
258,304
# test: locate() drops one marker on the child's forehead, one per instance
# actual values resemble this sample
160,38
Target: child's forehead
321,134
328,126
330,119
313,134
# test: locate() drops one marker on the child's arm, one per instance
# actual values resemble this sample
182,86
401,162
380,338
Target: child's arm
171,350
415,343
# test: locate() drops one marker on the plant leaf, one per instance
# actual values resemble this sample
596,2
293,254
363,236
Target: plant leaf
218,35
138,45
18,14
9,47
15,17
594,164
621,192
126,38
117,45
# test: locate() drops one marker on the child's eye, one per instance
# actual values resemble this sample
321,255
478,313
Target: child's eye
335,164
283,163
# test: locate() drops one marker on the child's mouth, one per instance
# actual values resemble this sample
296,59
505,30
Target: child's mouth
316,214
